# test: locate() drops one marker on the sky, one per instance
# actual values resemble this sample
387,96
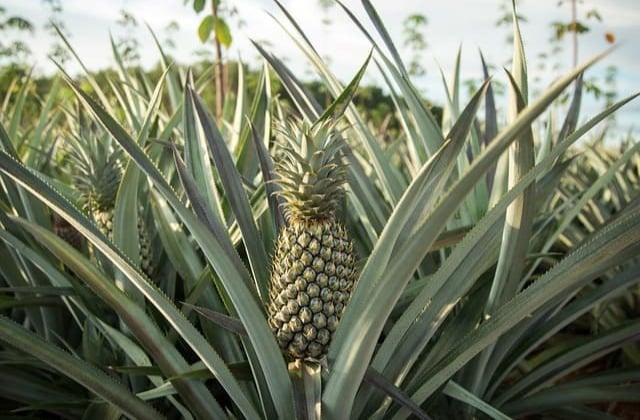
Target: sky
465,25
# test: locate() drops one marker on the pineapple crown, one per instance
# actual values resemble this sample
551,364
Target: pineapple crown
96,170
94,163
310,170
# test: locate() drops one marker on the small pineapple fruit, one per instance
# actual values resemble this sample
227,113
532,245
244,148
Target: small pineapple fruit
96,175
66,231
313,270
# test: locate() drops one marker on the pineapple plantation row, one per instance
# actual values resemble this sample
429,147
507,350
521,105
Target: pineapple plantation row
286,262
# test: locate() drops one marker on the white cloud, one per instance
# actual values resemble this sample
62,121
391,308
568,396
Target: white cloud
99,10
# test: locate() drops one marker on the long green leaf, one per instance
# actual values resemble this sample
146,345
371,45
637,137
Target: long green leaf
232,184
197,161
535,336
342,102
248,122
125,224
305,102
33,389
340,395
268,174
44,192
583,352
519,216
372,301
429,130
610,246
173,85
518,219
138,356
163,352
18,109
454,390
415,327
572,396
247,307
587,195
87,375
90,79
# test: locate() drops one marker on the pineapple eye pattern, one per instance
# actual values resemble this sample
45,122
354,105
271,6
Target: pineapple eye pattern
308,295
313,269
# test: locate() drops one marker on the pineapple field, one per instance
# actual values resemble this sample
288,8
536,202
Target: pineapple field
294,258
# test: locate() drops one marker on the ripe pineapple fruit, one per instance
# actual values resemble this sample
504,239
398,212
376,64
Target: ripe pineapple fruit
313,270
96,174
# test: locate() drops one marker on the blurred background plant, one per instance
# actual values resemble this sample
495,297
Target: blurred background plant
15,49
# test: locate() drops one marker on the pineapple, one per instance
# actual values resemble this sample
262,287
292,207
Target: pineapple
96,174
313,270
66,231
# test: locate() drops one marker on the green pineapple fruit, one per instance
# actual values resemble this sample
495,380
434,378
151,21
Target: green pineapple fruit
97,173
313,270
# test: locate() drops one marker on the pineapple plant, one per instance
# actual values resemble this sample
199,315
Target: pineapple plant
96,173
313,270
427,344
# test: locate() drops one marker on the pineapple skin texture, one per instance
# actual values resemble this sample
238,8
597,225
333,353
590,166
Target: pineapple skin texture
104,221
312,278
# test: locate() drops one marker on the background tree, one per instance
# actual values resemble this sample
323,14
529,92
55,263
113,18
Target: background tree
170,31
579,24
127,43
13,51
214,27
326,6
574,27
505,18
58,51
413,30
552,62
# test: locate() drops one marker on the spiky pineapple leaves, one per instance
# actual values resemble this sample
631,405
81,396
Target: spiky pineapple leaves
372,377
418,230
429,138
375,297
128,222
84,373
213,146
230,272
267,168
517,228
233,280
197,178
610,246
342,391
235,193
387,175
48,195
339,396
339,106
416,325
